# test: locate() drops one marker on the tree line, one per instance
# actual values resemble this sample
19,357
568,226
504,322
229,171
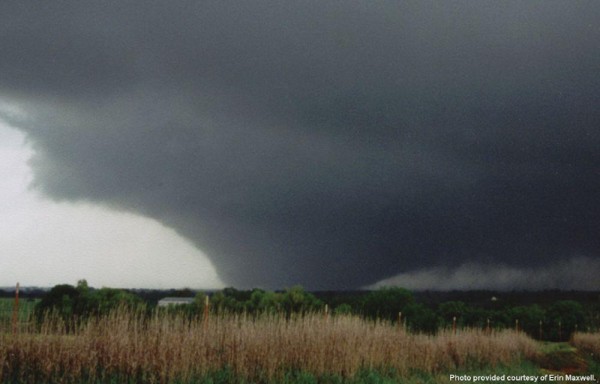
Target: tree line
554,321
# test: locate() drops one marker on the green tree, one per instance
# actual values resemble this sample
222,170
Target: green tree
222,302
420,318
74,304
297,300
200,301
529,318
466,315
264,302
237,295
563,317
386,302
451,310
61,299
343,309
106,300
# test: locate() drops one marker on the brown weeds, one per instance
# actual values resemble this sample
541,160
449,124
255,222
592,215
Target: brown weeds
587,342
166,348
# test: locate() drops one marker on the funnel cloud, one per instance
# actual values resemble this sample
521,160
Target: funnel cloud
328,144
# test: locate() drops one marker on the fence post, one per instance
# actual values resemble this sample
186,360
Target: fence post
326,314
517,325
541,333
454,325
488,330
206,303
15,316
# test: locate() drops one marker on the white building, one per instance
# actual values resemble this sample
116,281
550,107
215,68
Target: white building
165,302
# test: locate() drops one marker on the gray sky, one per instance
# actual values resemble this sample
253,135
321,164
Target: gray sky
330,144
45,243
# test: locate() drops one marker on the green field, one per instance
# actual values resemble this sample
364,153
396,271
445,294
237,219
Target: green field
26,307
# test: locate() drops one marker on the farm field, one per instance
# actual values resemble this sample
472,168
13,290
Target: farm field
130,347
111,335
26,307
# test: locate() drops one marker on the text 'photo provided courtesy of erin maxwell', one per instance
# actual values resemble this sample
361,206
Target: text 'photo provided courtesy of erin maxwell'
524,378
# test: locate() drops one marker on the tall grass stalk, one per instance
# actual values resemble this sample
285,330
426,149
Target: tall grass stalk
587,342
167,348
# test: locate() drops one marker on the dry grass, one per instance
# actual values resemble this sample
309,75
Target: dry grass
587,342
168,348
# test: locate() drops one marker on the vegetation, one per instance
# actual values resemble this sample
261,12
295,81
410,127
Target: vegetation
80,334
588,342
129,346
258,301
555,321
25,311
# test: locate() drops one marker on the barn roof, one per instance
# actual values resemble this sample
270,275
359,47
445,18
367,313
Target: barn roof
176,300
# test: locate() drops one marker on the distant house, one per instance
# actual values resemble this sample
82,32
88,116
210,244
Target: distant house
165,302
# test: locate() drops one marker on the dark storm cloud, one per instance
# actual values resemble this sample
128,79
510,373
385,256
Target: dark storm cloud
323,143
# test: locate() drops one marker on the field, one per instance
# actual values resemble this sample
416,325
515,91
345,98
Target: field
6,311
134,343
130,347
